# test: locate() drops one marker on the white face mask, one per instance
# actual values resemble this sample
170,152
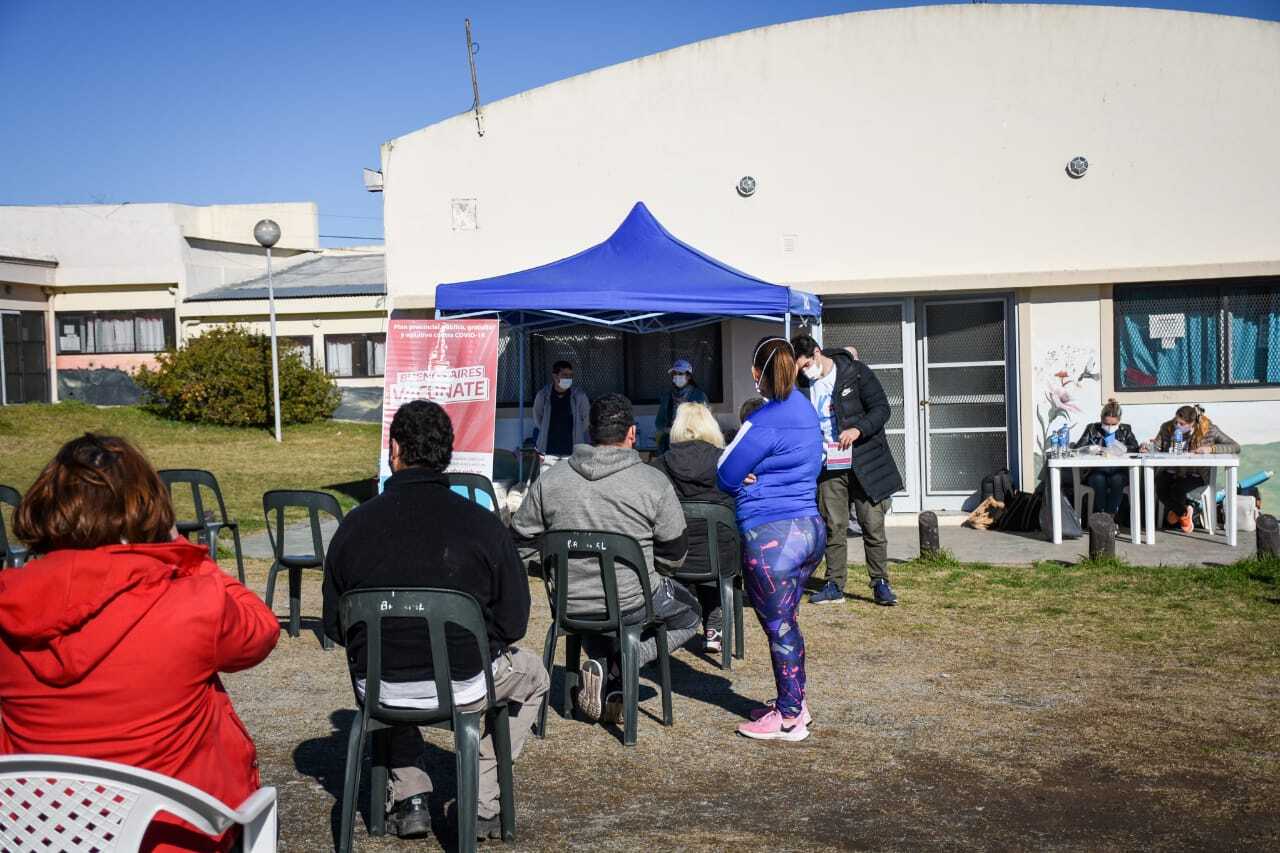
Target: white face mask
1110,429
812,372
680,380
565,384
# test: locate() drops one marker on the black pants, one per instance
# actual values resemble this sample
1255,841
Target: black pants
1172,488
1108,486
672,604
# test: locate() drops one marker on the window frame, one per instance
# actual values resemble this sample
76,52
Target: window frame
1222,291
364,339
83,318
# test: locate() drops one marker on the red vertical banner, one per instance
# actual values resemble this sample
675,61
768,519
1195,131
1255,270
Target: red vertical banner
453,363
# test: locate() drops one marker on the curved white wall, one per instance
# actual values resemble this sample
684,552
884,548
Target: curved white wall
921,142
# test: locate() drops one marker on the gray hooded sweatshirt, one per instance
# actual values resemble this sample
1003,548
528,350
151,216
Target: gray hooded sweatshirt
609,489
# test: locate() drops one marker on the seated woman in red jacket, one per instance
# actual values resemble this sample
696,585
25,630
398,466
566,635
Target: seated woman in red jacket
111,641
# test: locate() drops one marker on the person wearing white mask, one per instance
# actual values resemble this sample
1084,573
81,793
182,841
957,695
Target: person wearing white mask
1108,435
560,413
683,389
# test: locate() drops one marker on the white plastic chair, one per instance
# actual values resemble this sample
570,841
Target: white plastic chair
1079,492
1203,497
54,803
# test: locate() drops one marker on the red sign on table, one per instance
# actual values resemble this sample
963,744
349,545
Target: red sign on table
453,363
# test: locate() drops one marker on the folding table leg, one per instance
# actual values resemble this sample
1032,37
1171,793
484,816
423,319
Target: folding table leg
1135,505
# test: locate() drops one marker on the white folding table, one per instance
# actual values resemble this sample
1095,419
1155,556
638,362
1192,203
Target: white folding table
1094,460
1151,461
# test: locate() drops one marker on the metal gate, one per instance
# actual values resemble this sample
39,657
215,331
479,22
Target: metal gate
24,365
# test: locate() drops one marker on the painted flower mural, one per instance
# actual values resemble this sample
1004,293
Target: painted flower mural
1064,374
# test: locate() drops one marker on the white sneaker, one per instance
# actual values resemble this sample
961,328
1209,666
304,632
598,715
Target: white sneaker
711,641
591,693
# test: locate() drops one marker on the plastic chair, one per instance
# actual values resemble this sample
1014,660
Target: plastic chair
276,502
12,555
475,488
609,549
438,608
728,579
506,467
1205,498
206,529
1079,492
59,802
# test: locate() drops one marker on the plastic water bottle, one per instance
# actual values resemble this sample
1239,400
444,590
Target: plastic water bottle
1179,441
1064,439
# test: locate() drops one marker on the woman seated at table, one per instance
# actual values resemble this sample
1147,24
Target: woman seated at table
690,464
1190,430
1108,435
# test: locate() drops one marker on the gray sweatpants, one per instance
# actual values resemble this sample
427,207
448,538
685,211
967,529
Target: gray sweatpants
519,677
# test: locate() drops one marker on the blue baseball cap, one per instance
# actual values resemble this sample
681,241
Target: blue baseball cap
681,366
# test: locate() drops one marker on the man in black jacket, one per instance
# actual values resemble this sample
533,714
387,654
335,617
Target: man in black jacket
852,412
418,533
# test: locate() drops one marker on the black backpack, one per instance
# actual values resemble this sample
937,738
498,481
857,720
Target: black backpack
998,485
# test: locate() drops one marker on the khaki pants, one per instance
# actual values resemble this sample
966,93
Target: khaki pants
833,503
519,678
875,543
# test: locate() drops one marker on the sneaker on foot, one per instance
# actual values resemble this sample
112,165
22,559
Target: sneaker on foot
612,708
410,818
711,641
1186,522
488,828
883,593
770,706
773,726
829,594
1172,518
591,693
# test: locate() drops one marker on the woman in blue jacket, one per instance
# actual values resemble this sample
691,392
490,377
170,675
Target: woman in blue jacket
770,468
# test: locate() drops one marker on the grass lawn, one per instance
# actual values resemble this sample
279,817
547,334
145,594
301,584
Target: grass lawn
1094,707
341,457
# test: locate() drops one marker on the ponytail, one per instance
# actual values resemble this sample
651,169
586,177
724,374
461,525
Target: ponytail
1199,421
776,361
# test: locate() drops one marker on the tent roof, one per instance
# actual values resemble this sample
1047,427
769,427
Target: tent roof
639,273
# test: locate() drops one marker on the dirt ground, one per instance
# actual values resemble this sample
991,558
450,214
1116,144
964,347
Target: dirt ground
980,714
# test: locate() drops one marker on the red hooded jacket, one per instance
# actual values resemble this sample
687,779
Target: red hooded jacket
114,654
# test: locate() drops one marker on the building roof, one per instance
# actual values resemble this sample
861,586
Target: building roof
337,274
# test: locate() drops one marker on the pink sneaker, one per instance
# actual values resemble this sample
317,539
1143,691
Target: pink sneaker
758,713
772,726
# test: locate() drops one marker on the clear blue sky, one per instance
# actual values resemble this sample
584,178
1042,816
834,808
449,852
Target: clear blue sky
286,100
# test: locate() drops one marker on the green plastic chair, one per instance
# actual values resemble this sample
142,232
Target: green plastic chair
475,488
274,504
506,467
721,523
11,555
610,550
438,608
206,528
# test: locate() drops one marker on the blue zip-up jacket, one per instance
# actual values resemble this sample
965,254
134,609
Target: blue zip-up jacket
781,444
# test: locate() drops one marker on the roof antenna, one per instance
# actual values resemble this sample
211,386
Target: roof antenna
472,49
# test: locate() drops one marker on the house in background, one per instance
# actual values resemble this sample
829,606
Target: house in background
89,293
1013,211
330,304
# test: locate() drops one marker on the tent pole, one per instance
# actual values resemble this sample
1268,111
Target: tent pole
786,326
521,342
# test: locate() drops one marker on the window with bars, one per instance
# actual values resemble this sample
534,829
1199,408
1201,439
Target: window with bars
607,361
1203,334
101,332
355,355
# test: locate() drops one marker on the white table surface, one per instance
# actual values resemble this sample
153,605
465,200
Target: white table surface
1088,459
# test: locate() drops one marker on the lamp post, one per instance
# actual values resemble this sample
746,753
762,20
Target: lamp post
267,233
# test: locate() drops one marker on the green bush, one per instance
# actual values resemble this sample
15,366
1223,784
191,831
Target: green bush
224,377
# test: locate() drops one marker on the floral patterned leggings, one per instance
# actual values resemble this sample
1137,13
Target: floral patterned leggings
778,558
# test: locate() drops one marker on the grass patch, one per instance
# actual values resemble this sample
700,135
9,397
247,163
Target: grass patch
338,457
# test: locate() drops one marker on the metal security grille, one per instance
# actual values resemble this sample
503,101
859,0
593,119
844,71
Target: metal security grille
1169,336
1252,324
649,360
875,331
596,354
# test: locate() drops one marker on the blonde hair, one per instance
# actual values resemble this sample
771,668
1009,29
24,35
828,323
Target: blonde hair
1111,408
694,422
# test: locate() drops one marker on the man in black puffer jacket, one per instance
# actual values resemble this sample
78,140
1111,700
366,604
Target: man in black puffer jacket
852,412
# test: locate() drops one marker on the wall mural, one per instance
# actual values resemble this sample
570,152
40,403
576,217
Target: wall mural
1067,392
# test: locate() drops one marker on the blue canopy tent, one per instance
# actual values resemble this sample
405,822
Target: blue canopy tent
642,279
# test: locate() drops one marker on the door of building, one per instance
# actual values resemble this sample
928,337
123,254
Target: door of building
946,367
24,365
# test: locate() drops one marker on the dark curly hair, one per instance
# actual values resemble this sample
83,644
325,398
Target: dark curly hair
424,433
611,417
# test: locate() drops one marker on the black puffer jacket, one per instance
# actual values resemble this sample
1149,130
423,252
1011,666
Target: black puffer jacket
1095,436
860,403
691,468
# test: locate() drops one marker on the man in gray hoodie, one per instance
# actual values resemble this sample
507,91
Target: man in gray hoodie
606,487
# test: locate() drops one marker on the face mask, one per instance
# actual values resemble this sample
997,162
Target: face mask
813,373
566,384
1110,429
680,380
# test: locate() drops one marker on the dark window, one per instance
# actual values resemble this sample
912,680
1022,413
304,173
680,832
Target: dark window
1204,334
606,360
101,332
355,355
302,343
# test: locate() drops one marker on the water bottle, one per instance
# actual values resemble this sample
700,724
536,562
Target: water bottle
1179,441
1064,439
